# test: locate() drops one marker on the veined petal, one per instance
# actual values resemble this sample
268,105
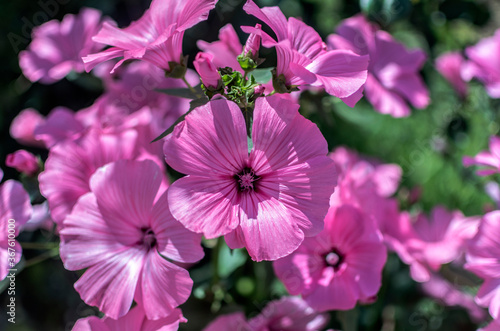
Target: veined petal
211,141
272,16
205,205
164,286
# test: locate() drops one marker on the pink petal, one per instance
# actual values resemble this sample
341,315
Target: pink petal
340,72
234,321
205,205
340,294
23,127
60,125
211,141
282,137
383,100
5,254
272,16
174,241
14,204
125,192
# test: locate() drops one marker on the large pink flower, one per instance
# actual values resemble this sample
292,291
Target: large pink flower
286,314
15,211
303,58
156,37
483,258
266,201
482,64
134,320
490,159
393,71
117,232
58,47
71,164
340,266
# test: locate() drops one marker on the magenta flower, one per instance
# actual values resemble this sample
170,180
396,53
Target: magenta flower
135,319
431,242
266,201
156,37
58,47
482,64
61,124
303,58
286,314
450,66
205,67
490,159
483,259
15,211
23,161
340,266
393,75
225,50
117,232
71,164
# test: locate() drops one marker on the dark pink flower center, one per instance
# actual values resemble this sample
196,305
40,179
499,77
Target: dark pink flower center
148,238
334,259
246,179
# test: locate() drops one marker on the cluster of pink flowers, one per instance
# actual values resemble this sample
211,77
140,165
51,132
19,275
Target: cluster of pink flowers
256,171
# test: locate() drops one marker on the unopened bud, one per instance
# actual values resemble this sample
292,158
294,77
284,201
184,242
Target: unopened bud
203,64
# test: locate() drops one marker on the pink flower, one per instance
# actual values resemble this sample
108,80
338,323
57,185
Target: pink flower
117,232
286,314
225,50
60,125
340,266
135,319
303,58
57,47
483,259
489,159
23,161
266,201
393,71
15,211
205,67
450,65
71,164
430,243
23,127
156,37
482,64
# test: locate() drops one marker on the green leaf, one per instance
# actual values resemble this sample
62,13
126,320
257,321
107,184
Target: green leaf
193,104
230,261
262,76
183,92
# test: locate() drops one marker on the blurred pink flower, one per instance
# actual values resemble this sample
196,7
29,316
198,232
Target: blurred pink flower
489,158
431,242
266,201
450,65
483,259
203,63
225,50
23,161
482,64
393,75
117,232
134,320
22,128
340,266
15,211
156,37
303,58
70,165
57,47
286,314
60,125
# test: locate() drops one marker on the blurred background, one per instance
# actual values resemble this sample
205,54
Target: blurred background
428,145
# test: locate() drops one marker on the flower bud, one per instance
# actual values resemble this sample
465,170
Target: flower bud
23,161
207,70
249,59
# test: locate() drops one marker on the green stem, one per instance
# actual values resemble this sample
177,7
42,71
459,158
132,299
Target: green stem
192,89
48,245
42,257
215,261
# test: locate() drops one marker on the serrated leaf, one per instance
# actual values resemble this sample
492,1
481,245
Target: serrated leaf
193,104
185,93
